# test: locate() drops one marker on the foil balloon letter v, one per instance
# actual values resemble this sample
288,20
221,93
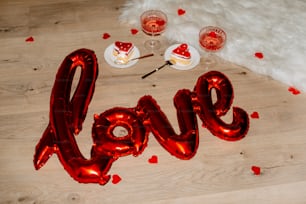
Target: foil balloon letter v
67,115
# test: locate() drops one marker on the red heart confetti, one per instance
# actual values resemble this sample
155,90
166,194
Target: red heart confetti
255,115
181,12
293,90
153,159
116,179
256,170
134,31
259,55
106,36
30,39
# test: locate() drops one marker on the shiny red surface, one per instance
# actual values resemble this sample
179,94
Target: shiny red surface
67,116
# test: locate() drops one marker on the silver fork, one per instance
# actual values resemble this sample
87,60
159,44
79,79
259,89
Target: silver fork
123,62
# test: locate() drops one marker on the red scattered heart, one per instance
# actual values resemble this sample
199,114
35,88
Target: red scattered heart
116,179
181,12
293,90
259,55
105,36
256,170
30,39
255,115
134,31
153,160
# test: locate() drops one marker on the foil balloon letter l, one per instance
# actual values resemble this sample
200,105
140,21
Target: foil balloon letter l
66,118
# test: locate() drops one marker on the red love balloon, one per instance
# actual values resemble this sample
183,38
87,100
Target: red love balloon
67,117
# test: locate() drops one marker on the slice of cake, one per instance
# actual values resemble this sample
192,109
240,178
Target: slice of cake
181,55
123,51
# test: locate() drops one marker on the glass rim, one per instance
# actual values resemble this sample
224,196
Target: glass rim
218,30
163,14
213,27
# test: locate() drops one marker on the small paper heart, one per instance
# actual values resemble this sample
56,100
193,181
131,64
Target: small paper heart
293,90
153,160
116,179
256,170
30,39
259,55
255,115
181,12
134,31
106,36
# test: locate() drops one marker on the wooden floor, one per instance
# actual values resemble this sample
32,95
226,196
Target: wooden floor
219,173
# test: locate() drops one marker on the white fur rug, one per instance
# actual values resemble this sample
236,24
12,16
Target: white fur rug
275,28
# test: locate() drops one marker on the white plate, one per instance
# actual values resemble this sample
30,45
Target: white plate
195,57
108,56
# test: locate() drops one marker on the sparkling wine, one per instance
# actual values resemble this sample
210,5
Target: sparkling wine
212,39
153,25
153,22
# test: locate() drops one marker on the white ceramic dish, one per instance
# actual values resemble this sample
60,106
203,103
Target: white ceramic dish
110,59
195,57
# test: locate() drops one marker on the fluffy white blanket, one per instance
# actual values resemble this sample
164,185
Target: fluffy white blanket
275,28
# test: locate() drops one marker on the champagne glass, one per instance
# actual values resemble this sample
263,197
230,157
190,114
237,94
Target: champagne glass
211,39
153,23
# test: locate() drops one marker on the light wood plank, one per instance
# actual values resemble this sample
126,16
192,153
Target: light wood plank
219,173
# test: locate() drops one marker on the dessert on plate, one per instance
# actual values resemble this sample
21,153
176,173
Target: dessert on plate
181,55
123,51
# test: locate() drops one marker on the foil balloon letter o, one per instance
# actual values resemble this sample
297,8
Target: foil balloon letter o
107,143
